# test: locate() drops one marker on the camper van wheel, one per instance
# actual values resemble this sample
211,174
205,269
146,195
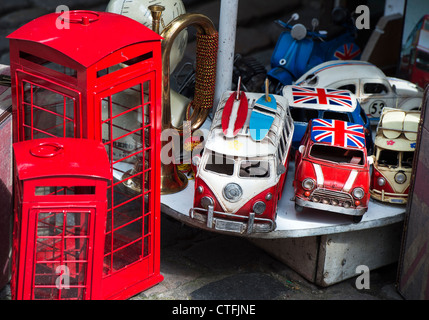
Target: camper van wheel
298,208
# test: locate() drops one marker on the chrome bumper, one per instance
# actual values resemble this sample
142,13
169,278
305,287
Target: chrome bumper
330,207
398,198
230,224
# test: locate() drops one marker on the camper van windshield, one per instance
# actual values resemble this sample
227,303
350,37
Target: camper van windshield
393,158
254,169
336,154
219,163
388,158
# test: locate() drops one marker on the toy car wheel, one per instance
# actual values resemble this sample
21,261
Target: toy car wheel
298,208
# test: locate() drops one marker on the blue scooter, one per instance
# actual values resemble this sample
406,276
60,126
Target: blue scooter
299,49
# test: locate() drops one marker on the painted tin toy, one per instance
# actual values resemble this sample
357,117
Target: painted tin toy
299,49
332,169
372,88
308,103
239,180
60,216
66,83
395,143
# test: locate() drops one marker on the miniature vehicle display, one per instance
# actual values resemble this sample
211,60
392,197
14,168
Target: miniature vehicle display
239,180
332,169
306,103
372,88
395,143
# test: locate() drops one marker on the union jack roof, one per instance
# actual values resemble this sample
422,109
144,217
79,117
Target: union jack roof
338,133
316,97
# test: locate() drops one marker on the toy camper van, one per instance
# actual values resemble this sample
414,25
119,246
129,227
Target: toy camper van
332,169
241,172
395,143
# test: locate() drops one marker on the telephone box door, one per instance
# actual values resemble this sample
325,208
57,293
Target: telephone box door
128,132
61,256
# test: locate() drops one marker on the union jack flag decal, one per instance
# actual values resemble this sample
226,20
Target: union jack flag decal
348,51
333,97
338,133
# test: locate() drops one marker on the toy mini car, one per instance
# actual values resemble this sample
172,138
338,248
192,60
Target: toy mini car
372,88
239,179
332,169
395,143
307,103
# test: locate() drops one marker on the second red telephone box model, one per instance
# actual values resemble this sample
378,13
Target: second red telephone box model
59,221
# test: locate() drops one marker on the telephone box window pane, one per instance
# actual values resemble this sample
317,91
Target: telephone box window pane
62,191
50,223
125,100
127,145
48,64
50,293
47,113
127,255
77,223
128,212
46,274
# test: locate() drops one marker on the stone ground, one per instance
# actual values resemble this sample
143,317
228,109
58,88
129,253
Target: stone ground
200,265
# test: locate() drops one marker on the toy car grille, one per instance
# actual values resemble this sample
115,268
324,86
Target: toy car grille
331,197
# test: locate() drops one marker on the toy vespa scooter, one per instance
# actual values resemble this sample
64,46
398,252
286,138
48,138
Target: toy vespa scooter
298,49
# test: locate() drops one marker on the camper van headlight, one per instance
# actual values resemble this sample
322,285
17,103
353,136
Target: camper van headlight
232,192
381,181
400,177
259,207
358,193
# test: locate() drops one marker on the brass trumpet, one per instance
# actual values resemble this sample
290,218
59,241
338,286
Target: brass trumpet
172,180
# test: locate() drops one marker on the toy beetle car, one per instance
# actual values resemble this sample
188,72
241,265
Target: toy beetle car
307,103
239,180
332,168
372,88
395,143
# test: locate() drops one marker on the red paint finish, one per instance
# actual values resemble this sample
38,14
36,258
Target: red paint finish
58,238
95,81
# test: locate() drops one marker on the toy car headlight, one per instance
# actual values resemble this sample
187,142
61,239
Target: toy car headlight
400,177
381,181
259,207
308,184
358,193
232,192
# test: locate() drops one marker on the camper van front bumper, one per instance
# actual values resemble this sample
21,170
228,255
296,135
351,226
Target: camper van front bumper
228,222
399,198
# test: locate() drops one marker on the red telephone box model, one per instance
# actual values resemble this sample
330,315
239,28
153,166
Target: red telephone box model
97,75
59,221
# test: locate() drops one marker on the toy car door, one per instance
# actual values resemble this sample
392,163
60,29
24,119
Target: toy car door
375,94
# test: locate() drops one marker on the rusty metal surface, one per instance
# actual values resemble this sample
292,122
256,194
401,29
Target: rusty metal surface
5,178
413,276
